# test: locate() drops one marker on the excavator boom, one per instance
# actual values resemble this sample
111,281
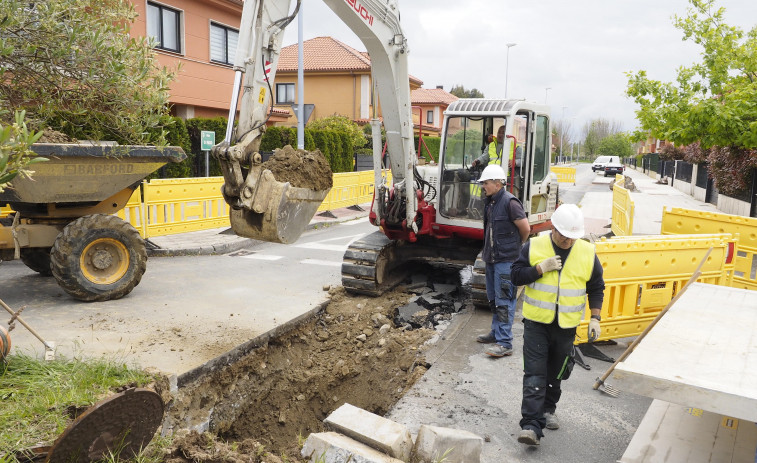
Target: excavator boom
267,209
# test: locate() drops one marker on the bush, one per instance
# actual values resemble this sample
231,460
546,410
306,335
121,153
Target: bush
176,134
340,124
434,147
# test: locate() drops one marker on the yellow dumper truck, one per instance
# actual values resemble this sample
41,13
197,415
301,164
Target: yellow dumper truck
63,221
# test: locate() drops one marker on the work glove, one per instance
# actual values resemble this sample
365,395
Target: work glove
553,263
594,330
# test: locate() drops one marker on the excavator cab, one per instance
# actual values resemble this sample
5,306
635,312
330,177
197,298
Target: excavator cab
511,133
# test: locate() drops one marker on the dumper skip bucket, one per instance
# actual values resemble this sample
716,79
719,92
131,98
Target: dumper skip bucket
280,212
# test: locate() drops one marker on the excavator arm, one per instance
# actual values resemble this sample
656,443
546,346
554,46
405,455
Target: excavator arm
265,209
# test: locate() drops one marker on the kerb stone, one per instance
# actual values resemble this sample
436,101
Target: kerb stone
332,447
433,442
380,433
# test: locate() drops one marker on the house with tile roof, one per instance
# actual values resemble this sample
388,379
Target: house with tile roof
429,105
200,36
337,80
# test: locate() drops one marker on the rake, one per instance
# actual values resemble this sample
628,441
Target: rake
614,392
49,346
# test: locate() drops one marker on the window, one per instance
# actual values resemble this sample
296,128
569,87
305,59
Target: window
284,93
163,25
223,44
429,117
541,149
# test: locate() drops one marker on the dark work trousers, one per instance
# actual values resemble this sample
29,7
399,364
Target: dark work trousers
545,349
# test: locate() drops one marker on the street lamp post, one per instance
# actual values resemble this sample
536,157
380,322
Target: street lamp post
562,130
546,92
507,64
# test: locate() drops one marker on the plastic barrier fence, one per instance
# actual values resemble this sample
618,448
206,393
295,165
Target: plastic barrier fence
134,212
351,188
643,273
564,174
622,209
4,211
678,220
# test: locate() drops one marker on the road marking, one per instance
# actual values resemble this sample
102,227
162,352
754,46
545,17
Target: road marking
354,222
324,245
262,257
327,263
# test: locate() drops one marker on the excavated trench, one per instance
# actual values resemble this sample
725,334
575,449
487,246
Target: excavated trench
360,350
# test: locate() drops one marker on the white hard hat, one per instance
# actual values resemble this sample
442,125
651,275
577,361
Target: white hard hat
569,221
493,172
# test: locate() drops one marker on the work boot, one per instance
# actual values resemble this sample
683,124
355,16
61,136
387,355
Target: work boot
499,351
528,437
552,422
486,338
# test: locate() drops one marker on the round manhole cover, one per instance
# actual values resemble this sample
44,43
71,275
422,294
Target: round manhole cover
122,424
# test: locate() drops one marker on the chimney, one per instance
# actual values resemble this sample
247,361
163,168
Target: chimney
440,87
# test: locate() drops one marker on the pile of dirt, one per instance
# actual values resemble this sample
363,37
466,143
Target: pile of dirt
302,169
53,136
352,352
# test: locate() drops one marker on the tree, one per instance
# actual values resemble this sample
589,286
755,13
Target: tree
460,92
71,65
597,130
341,124
617,144
711,103
15,152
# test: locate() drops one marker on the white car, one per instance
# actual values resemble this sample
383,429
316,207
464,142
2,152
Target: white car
600,162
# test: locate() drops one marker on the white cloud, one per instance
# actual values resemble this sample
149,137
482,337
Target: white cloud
580,49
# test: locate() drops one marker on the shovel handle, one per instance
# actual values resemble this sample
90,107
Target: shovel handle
629,349
21,320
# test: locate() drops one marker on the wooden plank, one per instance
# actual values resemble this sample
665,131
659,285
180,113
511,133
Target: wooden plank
671,432
702,353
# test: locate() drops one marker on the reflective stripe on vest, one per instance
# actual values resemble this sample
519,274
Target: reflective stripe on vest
540,301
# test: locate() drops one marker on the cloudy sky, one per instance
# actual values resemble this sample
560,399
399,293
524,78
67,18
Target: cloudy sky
579,49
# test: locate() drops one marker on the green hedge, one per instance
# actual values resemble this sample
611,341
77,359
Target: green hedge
434,147
176,135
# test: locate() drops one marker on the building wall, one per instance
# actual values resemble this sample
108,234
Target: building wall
199,83
330,93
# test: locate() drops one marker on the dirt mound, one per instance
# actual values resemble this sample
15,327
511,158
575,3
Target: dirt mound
195,447
302,169
351,353
53,136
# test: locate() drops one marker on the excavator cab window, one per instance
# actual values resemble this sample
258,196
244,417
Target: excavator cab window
470,145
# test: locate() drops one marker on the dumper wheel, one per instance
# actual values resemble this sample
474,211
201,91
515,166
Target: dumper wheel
37,259
98,258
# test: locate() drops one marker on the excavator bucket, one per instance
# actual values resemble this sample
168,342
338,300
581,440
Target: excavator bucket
280,212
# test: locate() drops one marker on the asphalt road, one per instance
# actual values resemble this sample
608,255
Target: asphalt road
186,310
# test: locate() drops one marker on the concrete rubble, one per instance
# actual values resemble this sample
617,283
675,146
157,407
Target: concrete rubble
363,437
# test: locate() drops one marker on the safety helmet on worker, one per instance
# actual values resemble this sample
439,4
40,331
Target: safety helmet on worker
569,221
493,172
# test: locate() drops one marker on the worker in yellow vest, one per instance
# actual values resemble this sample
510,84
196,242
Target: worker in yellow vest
560,271
493,153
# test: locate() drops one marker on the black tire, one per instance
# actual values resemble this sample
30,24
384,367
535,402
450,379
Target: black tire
98,258
37,259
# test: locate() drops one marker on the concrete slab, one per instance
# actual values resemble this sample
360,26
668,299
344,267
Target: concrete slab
375,431
679,433
332,447
702,353
435,443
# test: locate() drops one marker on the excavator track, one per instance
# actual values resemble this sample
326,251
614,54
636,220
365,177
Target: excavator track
366,268
375,264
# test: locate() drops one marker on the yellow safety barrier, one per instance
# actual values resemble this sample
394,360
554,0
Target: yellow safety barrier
351,188
643,273
184,205
679,220
134,212
4,211
622,209
564,174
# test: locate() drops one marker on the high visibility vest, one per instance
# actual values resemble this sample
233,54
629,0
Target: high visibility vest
562,292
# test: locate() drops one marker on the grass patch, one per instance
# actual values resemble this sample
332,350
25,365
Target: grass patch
38,398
